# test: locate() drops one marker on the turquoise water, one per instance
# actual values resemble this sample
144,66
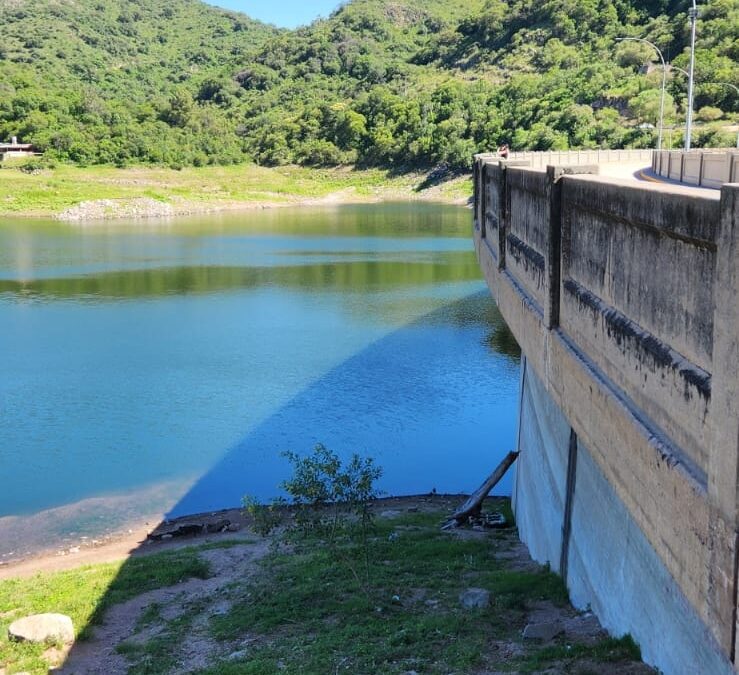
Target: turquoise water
161,368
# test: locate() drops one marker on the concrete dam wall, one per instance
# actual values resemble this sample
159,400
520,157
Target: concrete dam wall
624,298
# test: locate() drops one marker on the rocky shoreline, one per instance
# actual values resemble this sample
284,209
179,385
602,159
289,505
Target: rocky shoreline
146,208
143,537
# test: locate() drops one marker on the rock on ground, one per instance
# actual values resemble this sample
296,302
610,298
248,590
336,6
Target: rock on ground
475,598
42,628
542,631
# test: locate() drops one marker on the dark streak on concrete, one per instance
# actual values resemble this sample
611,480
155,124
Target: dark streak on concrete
698,242
520,249
620,327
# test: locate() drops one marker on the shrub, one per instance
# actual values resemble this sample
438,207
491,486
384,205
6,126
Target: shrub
330,500
330,497
266,517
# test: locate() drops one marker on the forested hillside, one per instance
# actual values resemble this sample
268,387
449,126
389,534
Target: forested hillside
394,83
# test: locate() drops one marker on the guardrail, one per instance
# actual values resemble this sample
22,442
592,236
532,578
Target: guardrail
579,157
705,168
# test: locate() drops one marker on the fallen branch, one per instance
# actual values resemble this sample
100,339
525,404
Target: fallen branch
473,505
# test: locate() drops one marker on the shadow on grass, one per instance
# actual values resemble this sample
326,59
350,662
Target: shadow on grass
371,414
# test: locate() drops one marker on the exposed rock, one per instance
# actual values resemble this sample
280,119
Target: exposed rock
103,209
176,530
585,627
218,526
234,527
544,632
42,628
54,656
238,656
475,598
221,608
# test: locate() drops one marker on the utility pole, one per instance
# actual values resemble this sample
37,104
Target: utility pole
693,15
664,79
723,84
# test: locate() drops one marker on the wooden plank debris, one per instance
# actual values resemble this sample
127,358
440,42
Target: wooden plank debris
473,505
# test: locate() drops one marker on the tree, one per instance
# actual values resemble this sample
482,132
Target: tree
179,109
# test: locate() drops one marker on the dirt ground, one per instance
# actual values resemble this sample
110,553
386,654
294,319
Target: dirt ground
233,553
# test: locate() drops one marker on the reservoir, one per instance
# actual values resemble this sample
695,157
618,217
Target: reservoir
160,368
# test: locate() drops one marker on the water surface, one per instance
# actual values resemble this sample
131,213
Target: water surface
162,367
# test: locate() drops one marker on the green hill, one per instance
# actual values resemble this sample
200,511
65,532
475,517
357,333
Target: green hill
394,83
111,80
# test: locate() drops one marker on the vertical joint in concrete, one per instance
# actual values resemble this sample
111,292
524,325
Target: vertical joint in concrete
553,260
476,191
504,206
723,460
479,181
482,201
569,498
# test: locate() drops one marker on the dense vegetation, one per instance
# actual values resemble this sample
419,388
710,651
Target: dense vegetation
393,83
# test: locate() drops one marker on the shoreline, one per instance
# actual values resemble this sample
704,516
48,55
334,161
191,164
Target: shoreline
107,211
137,539
77,195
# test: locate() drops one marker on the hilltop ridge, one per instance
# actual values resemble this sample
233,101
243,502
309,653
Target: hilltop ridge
392,83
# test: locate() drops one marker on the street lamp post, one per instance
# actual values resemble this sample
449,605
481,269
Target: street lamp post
679,70
693,15
664,77
725,84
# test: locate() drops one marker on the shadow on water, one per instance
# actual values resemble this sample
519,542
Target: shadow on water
202,350
371,415
131,352
357,407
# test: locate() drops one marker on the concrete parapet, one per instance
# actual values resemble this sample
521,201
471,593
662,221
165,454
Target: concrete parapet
623,298
581,157
637,297
706,168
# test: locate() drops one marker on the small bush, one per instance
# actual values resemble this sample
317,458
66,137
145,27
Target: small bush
266,517
329,496
36,164
709,114
330,500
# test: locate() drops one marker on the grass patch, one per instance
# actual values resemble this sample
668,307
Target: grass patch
50,191
608,650
221,544
312,609
159,654
407,618
152,614
84,594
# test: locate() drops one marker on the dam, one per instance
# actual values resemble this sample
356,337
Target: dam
623,298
